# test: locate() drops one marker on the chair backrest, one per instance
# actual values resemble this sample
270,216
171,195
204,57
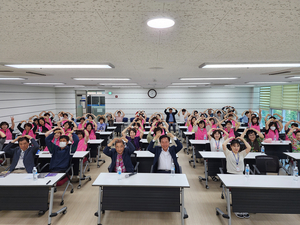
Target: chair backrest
131,119
133,159
267,164
147,119
125,119
98,136
224,168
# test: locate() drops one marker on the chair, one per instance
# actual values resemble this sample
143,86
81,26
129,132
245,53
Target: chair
66,178
180,169
147,119
266,164
131,119
92,150
134,162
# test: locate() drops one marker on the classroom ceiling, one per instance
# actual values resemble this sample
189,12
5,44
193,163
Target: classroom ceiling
115,31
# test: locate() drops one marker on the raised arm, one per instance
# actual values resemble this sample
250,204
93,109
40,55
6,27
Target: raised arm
225,143
286,126
260,116
281,118
280,125
266,117
244,133
209,133
225,132
237,125
12,123
42,113
258,132
248,147
267,124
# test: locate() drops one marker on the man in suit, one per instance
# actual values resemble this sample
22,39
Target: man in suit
164,154
120,155
24,155
171,118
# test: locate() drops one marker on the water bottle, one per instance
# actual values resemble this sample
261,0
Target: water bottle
274,139
172,169
247,171
296,173
205,137
262,149
40,129
119,173
34,173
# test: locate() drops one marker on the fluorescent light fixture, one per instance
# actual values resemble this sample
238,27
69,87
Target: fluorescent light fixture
70,86
12,78
62,66
238,85
161,23
265,82
189,83
44,84
98,78
210,78
117,84
293,77
246,65
181,86
125,86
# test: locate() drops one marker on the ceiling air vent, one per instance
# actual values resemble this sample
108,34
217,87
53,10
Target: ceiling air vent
6,71
39,74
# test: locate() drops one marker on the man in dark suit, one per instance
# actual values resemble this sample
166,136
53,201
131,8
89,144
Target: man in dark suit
24,155
120,155
171,118
164,154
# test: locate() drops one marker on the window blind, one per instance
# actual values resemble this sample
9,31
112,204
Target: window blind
290,97
276,97
264,98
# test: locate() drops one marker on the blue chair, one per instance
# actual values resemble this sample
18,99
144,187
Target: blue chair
147,119
125,119
131,119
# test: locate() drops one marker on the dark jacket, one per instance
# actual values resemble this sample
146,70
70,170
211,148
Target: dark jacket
29,155
173,151
168,115
112,153
60,159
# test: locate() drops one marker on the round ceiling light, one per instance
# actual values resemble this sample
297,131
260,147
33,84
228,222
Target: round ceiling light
160,23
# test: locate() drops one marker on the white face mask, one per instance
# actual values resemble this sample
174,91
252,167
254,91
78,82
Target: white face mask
273,128
62,144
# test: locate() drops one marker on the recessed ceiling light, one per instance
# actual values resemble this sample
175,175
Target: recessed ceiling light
189,83
62,66
12,78
117,84
98,78
70,86
44,83
210,78
161,23
181,86
265,82
247,65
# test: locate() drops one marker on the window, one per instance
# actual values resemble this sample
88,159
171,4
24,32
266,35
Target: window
264,113
290,115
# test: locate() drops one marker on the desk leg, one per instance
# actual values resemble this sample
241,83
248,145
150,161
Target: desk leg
182,206
187,144
50,205
99,206
81,172
194,159
228,205
206,174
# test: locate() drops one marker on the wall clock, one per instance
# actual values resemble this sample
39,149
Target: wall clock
152,93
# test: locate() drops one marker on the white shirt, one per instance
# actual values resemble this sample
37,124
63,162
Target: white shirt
20,163
215,144
234,161
181,117
165,160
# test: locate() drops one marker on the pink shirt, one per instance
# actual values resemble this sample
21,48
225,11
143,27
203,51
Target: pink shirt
30,133
257,127
231,132
199,135
92,135
271,134
7,133
81,145
119,118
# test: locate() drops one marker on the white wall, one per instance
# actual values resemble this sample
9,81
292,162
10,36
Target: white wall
23,101
131,100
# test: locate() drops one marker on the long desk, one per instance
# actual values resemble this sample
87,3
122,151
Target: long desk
146,191
119,126
277,148
111,129
188,135
212,163
261,194
203,145
78,158
182,129
98,142
21,192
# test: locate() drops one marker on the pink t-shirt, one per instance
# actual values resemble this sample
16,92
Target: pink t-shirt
257,127
271,134
199,135
119,118
81,145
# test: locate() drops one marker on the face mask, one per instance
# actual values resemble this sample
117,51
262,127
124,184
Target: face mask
62,144
273,128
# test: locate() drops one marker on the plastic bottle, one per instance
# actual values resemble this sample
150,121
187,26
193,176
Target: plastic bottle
274,139
205,137
40,129
262,149
296,173
172,169
34,173
247,171
119,173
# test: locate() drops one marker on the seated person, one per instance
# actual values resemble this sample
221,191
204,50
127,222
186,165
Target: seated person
101,125
2,139
4,127
255,142
216,139
120,155
83,136
80,125
62,154
24,155
156,131
164,154
135,140
29,129
57,133
295,141
287,129
235,161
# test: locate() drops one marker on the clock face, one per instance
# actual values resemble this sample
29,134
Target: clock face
152,93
